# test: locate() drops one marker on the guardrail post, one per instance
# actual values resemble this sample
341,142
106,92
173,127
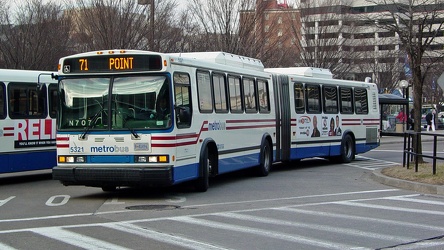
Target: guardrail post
435,139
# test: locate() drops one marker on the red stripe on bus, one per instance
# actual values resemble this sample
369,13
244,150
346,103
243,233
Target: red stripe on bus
248,121
250,127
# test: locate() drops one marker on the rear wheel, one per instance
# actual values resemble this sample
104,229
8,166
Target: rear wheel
347,149
266,159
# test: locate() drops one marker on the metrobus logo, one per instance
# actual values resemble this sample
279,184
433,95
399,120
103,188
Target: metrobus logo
109,149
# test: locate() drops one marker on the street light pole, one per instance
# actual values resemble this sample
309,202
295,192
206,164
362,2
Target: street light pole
404,84
152,26
151,3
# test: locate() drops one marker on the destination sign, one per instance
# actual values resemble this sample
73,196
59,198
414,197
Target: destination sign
112,63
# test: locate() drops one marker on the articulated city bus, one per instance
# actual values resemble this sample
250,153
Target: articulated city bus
27,121
140,118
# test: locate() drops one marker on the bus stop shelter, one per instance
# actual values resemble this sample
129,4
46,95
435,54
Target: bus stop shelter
389,106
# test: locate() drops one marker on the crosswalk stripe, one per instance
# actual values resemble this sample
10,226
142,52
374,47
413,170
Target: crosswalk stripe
163,237
357,204
6,247
76,239
265,233
398,198
347,231
360,218
370,163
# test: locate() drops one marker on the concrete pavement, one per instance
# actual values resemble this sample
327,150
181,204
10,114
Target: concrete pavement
404,184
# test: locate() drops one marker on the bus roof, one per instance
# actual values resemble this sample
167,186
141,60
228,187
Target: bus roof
303,71
224,59
18,75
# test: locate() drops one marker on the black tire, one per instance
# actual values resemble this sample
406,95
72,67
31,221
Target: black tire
203,183
109,188
266,159
347,149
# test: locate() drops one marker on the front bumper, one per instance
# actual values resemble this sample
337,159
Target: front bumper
117,176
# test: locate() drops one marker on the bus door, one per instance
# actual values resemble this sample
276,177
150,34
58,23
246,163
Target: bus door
183,115
283,117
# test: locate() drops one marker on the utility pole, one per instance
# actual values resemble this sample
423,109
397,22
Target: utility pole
151,4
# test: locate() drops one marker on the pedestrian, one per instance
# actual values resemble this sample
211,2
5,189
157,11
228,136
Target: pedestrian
401,116
430,119
411,120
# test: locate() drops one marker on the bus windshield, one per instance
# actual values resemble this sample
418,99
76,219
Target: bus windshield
135,102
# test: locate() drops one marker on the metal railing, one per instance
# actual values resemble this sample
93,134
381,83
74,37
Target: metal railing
411,142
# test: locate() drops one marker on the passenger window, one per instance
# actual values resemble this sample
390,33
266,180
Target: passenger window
53,100
236,104
26,102
361,101
183,108
330,100
299,98
346,104
263,96
2,101
313,95
249,95
204,91
220,93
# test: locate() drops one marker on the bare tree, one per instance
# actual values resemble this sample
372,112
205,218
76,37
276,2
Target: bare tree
417,23
219,22
384,66
30,36
248,28
111,24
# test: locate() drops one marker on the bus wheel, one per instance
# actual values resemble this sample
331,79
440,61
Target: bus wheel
202,183
347,149
266,159
109,188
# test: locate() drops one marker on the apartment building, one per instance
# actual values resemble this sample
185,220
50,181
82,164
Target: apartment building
273,28
343,35
356,29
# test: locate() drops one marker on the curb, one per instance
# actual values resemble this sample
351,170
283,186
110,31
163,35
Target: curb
404,184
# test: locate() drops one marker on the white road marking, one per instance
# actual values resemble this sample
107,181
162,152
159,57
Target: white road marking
346,231
76,239
264,233
163,237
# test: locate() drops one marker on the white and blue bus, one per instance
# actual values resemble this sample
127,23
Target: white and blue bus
27,121
140,118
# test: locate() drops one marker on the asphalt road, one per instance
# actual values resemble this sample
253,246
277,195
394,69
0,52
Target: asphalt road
307,205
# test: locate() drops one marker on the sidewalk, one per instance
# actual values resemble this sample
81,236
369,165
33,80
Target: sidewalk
400,139
404,184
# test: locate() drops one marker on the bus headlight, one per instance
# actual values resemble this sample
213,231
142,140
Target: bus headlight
71,159
152,159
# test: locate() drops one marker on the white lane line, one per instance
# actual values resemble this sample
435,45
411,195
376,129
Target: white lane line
410,210
163,237
292,198
52,217
270,234
360,218
6,247
346,231
400,198
76,239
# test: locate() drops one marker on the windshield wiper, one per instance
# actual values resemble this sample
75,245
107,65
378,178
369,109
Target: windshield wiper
133,132
93,121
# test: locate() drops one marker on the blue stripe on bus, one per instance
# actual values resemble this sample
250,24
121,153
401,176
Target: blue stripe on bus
27,161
